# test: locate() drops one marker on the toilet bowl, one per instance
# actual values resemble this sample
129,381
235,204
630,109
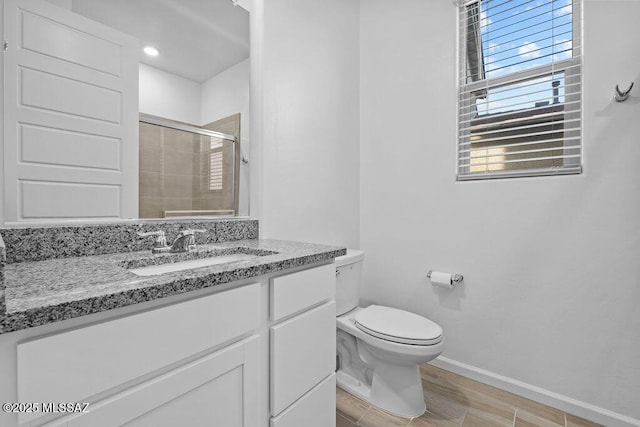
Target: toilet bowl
380,348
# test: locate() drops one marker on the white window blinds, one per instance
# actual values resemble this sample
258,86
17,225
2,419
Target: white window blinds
216,165
520,84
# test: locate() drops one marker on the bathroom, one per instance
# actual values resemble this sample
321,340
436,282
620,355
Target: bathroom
549,263
547,306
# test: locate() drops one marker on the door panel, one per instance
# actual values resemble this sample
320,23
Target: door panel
67,75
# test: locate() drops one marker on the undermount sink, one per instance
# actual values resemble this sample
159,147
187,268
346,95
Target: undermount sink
169,263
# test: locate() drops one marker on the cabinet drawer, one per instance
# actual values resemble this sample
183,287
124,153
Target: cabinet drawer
297,291
317,408
303,353
74,365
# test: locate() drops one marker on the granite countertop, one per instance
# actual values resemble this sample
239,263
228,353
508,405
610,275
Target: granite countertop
47,291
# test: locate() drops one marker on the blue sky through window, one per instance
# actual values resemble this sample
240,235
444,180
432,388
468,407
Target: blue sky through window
517,35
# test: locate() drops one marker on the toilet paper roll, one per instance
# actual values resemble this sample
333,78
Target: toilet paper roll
441,279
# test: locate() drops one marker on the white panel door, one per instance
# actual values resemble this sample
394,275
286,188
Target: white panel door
70,116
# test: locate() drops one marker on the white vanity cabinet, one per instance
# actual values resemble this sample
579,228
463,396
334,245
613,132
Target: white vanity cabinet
303,348
259,353
169,348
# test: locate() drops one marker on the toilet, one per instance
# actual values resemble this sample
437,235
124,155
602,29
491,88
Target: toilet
380,348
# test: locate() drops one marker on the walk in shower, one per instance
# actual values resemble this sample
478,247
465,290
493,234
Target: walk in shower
186,170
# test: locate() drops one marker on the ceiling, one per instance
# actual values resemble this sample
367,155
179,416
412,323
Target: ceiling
197,39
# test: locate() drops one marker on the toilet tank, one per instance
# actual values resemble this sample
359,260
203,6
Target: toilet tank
348,279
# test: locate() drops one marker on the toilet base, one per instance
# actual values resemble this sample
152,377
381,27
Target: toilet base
397,390
381,372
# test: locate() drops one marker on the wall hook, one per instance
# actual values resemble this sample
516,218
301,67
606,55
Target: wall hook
622,96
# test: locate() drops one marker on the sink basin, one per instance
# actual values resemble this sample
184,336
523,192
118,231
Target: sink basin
153,270
169,263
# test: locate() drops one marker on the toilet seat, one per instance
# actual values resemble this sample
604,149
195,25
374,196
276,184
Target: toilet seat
398,326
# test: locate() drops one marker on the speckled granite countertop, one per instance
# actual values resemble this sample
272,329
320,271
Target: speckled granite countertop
41,292
53,273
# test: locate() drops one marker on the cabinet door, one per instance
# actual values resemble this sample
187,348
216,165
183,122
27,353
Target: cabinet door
220,389
303,353
317,408
74,365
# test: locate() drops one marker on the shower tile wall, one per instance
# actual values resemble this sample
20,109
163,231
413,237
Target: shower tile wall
231,126
174,173
150,173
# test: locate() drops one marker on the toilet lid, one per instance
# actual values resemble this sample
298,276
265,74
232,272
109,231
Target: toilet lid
399,326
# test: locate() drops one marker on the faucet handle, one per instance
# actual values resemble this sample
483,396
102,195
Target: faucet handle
161,240
186,240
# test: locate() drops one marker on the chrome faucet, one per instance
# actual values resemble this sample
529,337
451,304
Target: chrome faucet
185,242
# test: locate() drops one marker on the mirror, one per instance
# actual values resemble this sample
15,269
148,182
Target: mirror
197,81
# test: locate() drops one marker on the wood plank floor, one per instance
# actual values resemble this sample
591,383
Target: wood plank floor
454,401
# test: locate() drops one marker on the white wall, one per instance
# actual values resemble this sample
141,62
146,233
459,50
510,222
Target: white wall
310,131
225,94
551,290
168,95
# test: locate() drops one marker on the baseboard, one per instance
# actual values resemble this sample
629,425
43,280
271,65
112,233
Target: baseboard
546,397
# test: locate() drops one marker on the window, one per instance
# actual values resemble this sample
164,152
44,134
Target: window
519,100
215,163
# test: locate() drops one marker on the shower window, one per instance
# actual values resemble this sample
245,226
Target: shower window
214,178
520,88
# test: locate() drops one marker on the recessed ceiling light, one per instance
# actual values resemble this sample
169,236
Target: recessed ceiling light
151,51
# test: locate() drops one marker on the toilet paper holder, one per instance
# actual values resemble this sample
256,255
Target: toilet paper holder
456,278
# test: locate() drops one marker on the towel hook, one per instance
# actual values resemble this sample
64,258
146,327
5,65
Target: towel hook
622,96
